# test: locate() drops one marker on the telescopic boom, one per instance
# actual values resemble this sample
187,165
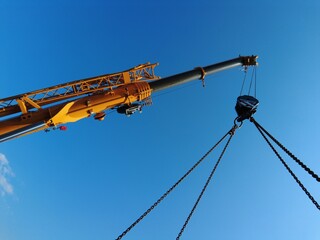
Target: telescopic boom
125,91
201,72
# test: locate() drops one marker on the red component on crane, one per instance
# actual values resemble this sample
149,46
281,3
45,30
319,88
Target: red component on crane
73,101
100,116
63,128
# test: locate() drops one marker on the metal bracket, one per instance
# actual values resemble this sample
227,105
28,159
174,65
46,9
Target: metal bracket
203,75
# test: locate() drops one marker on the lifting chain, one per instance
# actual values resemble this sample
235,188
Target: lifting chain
306,168
287,167
230,132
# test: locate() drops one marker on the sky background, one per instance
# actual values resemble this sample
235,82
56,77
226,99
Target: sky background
94,180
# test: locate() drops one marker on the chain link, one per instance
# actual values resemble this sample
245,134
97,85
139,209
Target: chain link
206,184
174,186
288,169
306,168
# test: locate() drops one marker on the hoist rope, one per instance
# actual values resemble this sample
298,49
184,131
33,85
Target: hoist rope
205,187
253,78
255,81
287,167
244,79
252,81
173,186
306,168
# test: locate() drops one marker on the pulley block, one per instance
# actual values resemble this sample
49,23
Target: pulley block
246,106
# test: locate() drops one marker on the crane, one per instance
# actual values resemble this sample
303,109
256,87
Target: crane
126,91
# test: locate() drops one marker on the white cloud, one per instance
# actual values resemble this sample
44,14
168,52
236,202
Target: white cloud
5,174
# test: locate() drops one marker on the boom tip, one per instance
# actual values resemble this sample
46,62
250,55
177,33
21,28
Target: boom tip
249,60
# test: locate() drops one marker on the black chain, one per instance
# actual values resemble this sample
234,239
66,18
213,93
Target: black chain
174,186
289,170
205,186
306,168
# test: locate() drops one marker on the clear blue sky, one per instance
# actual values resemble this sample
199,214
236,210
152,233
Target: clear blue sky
94,180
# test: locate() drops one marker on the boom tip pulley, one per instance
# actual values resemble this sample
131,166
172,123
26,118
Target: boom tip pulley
249,60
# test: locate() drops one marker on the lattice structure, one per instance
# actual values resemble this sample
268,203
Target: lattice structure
37,99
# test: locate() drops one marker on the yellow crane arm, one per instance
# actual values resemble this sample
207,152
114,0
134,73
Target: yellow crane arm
49,107
73,101
71,90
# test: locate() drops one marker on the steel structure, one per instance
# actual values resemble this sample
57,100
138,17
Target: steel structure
50,107
36,99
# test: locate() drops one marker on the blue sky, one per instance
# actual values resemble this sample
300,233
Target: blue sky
94,180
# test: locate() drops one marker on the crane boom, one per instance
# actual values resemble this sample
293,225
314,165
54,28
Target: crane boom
201,72
73,101
37,99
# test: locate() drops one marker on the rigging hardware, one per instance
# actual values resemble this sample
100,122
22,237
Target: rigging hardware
298,161
261,130
246,106
232,132
252,81
156,203
203,75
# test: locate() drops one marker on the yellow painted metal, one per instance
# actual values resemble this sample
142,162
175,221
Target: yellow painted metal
22,106
72,90
75,100
87,106
31,102
84,107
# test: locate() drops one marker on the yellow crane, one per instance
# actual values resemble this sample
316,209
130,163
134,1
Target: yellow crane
69,102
